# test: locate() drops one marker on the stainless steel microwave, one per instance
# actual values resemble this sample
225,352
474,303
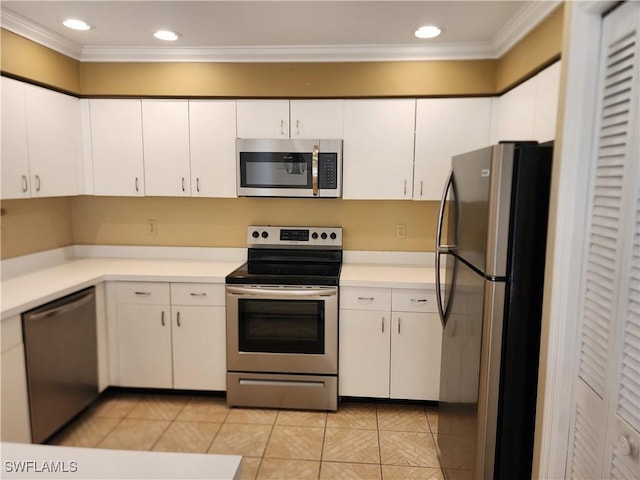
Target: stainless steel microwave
289,168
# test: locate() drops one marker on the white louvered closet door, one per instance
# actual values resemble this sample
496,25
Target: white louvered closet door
605,429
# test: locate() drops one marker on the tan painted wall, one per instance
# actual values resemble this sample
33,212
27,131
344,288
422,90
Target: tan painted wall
219,222
202,222
34,225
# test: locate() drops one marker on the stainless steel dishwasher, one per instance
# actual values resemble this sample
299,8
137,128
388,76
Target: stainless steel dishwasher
62,361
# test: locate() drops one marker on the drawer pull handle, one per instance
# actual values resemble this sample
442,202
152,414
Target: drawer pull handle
418,300
366,299
382,324
143,293
198,294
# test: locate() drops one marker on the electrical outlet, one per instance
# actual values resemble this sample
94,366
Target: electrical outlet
401,231
152,227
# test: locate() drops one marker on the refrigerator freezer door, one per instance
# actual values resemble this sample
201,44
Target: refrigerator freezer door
482,180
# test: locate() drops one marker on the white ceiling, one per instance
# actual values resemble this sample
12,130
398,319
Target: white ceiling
294,30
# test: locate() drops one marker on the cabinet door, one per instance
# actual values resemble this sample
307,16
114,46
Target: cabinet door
263,118
516,113
446,127
317,118
364,353
116,144
165,138
416,340
55,142
547,93
199,348
144,346
378,149
15,151
212,132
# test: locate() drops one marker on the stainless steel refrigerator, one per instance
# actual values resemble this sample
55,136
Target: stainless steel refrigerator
491,245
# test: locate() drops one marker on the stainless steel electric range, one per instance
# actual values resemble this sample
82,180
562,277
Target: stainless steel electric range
282,319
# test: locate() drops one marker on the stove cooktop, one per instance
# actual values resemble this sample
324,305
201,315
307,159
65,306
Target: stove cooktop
291,256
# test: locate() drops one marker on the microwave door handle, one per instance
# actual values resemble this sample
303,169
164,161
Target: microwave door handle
314,170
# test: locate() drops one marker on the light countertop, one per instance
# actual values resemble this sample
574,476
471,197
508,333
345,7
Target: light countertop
21,460
23,292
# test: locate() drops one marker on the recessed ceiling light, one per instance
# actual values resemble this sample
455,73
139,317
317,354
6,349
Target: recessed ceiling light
166,35
76,24
428,31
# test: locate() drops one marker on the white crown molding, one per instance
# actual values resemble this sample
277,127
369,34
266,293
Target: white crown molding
525,21
501,43
10,20
307,53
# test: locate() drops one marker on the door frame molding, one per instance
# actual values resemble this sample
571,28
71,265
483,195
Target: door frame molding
567,226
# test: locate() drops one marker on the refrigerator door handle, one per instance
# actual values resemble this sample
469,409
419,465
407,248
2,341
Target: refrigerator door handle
442,311
439,246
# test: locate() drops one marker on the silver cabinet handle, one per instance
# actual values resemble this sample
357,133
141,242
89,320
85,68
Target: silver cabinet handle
282,127
298,127
198,184
37,183
314,170
198,294
418,300
399,320
25,184
182,184
142,293
421,182
382,324
136,183
162,318
178,318
405,187
366,299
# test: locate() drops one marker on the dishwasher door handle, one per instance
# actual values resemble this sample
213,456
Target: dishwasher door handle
62,309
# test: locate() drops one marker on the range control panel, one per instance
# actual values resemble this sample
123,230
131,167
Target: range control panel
267,235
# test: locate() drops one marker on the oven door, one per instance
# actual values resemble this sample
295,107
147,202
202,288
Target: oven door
282,329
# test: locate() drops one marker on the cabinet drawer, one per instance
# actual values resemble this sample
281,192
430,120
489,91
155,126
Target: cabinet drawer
408,300
365,298
143,293
197,294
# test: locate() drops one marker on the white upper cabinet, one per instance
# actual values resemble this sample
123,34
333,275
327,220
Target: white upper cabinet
41,142
547,93
55,142
317,118
290,119
116,146
165,139
378,149
446,127
528,112
263,118
212,133
15,149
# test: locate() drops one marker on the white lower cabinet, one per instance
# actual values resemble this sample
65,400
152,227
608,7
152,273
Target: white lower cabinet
390,343
170,335
16,426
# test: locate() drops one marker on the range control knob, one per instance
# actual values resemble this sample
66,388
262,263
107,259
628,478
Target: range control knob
314,235
265,234
255,234
333,235
324,235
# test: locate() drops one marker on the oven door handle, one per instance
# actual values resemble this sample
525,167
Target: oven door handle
283,292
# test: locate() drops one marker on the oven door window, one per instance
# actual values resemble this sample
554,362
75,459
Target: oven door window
275,170
281,326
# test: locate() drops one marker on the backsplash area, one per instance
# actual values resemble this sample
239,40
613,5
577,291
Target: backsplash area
34,225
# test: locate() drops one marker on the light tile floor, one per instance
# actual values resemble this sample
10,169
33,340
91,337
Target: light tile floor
359,441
